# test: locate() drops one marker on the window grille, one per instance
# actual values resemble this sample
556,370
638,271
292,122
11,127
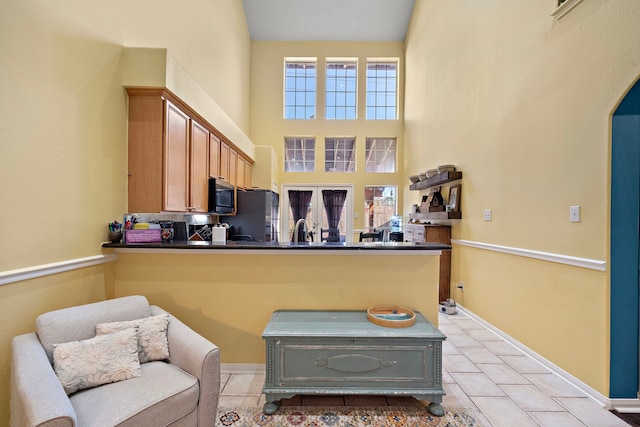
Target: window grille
341,90
380,155
299,154
300,90
382,88
339,155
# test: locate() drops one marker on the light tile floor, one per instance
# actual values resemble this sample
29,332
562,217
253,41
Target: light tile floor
481,371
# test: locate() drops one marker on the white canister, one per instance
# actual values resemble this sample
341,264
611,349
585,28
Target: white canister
218,234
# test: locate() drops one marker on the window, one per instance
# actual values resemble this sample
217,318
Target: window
382,87
341,89
316,214
299,154
300,89
380,155
380,204
339,155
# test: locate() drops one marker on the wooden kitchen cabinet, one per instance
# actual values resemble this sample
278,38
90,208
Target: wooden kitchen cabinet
168,155
224,161
176,159
248,174
438,234
240,172
199,169
233,166
214,156
172,152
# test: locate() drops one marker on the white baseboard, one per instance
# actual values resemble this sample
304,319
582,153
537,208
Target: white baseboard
620,405
242,368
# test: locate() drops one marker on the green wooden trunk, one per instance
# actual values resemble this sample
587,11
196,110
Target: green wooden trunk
341,352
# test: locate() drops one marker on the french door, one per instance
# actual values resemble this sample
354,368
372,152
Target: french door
316,215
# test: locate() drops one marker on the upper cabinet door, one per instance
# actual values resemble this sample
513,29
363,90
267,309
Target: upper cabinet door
240,173
224,161
199,168
214,156
176,160
248,174
233,166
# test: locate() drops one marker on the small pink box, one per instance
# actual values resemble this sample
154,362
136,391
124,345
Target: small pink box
143,236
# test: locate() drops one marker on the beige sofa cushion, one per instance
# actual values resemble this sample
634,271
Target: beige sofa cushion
100,360
152,335
162,394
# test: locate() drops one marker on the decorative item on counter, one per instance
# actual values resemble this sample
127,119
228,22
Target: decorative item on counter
219,234
168,231
391,316
115,232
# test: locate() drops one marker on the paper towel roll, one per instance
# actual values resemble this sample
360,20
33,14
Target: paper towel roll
218,234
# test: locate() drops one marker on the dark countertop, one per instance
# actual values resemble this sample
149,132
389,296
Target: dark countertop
286,246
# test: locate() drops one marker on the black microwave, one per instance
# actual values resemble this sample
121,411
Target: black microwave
222,197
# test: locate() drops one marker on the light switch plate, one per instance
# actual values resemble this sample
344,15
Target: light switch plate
487,214
574,213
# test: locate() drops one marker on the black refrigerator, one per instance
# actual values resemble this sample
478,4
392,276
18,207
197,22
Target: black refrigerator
256,217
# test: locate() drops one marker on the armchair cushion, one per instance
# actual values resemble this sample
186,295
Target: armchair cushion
96,361
152,335
163,394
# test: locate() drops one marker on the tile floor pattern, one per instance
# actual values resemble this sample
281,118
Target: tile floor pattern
480,371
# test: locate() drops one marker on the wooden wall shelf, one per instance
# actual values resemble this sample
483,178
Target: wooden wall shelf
439,179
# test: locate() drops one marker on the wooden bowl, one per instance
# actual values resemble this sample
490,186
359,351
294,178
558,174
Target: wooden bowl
391,316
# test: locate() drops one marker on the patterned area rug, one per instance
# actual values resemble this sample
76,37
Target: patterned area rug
345,416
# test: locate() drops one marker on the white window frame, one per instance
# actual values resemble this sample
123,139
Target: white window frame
306,94
376,94
317,210
337,91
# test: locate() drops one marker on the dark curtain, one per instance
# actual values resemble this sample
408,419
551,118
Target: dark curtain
333,201
299,202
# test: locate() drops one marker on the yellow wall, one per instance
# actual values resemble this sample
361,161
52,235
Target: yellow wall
522,104
229,298
63,130
63,109
269,128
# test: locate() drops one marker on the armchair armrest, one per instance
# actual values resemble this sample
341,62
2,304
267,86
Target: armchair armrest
195,354
37,397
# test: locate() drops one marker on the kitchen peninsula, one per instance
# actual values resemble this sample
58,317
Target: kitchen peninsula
228,292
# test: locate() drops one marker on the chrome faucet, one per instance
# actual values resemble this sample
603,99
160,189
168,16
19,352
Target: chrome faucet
298,224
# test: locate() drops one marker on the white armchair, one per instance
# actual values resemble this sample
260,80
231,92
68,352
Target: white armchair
180,392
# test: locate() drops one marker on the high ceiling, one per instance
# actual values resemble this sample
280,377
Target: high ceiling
328,20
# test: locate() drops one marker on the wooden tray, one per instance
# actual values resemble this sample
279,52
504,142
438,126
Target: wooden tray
391,316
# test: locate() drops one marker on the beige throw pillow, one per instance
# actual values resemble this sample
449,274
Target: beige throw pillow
152,335
100,360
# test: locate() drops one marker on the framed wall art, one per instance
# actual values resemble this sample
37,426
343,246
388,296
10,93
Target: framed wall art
454,197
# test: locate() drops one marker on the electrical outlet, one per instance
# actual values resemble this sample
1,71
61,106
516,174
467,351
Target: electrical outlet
574,213
461,286
356,215
487,214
